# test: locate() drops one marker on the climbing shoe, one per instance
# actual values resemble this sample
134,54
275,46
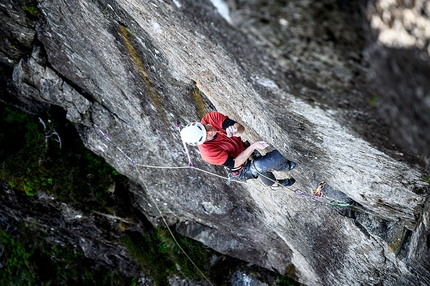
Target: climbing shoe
287,182
283,183
290,165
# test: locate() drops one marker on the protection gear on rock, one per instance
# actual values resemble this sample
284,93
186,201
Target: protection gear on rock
194,134
287,182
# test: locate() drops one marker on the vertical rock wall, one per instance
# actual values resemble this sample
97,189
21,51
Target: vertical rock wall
132,69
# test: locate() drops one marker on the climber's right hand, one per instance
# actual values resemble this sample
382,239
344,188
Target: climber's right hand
260,144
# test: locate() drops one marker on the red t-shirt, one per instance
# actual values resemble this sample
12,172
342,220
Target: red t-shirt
217,150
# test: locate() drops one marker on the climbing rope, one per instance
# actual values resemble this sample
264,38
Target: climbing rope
168,228
107,137
323,198
193,168
320,197
298,192
317,196
153,200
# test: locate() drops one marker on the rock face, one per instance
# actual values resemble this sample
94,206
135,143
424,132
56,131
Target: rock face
67,227
313,78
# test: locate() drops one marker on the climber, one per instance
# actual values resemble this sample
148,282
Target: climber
219,142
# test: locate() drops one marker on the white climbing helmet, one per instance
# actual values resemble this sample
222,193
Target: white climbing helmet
194,134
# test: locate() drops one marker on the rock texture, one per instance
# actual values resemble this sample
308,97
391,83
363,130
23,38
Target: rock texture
307,76
67,227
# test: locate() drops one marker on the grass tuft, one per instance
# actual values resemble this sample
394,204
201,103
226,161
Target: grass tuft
32,10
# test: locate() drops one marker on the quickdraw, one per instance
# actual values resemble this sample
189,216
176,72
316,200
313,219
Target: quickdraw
318,195
107,138
338,204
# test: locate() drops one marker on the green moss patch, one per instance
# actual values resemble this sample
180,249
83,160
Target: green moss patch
30,261
373,100
32,10
161,258
33,160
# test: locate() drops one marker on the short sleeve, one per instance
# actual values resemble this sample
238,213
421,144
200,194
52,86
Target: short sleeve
215,119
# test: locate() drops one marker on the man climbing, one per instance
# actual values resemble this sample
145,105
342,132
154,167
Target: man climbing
219,142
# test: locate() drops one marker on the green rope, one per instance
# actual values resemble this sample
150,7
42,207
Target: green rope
339,204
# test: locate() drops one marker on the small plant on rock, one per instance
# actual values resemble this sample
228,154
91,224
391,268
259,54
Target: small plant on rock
30,9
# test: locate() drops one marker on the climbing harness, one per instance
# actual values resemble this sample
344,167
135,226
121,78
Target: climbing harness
317,194
236,171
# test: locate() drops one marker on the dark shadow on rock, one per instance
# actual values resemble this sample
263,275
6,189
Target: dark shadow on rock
403,98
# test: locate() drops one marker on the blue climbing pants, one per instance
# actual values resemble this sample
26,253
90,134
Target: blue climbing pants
264,165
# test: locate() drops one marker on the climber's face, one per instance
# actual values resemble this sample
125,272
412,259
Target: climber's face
210,132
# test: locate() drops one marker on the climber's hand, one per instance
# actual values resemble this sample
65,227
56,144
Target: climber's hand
231,131
260,144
